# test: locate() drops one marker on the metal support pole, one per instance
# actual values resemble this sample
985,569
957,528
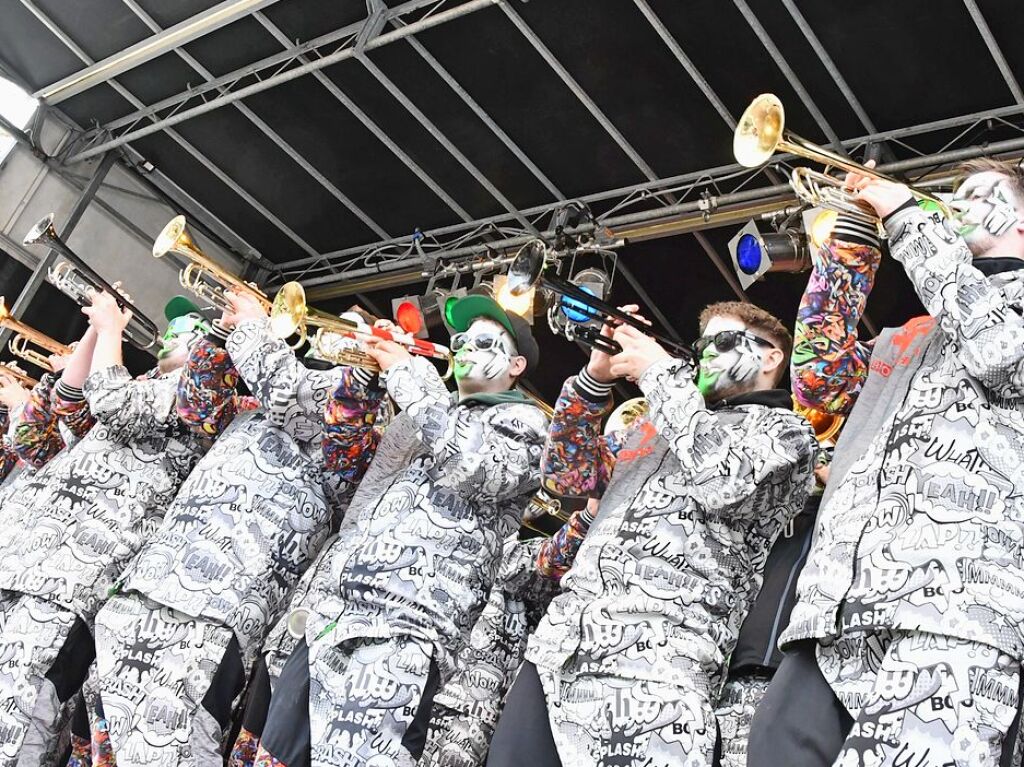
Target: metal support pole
995,50
39,273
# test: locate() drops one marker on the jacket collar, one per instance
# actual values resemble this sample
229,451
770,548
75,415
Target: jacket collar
768,397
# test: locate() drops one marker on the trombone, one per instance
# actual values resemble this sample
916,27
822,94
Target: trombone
528,269
202,276
761,132
11,370
78,279
26,336
291,315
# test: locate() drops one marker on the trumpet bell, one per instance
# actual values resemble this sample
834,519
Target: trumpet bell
525,269
826,425
759,131
172,237
43,231
288,313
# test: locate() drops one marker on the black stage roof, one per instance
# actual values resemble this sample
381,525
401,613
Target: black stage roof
469,120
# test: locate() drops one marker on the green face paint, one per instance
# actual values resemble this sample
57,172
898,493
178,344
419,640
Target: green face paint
463,367
706,378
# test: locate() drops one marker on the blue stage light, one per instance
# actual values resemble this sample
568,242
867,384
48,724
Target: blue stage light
749,254
577,311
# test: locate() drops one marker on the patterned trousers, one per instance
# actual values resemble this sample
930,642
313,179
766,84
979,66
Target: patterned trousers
456,739
364,702
45,652
604,721
921,699
736,706
168,683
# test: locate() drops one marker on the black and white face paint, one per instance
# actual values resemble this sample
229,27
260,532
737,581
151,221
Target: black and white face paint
485,353
723,373
986,209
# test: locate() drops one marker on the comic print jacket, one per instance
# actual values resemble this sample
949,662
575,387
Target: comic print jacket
924,530
54,416
89,511
256,509
691,501
488,664
423,555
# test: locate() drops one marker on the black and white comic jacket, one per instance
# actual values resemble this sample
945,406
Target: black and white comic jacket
692,499
258,506
422,554
88,512
922,524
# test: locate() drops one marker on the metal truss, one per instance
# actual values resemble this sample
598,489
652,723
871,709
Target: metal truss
704,199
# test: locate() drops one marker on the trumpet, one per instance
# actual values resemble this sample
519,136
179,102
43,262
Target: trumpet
290,315
761,132
529,269
826,425
11,370
78,282
25,336
202,276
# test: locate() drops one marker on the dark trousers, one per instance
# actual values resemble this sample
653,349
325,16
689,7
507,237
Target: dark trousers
523,735
801,723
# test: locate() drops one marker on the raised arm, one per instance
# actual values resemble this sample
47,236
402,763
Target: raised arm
968,306
36,437
830,363
350,439
68,400
723,462
8,457
207,390
578,459
557,553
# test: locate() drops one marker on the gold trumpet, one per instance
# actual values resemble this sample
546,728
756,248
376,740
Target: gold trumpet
826,425
25,336
761,132
11,370
202,276
290,315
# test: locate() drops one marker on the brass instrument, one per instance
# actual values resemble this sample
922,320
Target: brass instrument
78,279
202,276
761,132
13,371
625,414
26,336
529,269
290,315
826,425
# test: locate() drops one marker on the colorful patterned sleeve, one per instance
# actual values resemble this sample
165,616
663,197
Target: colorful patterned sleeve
350,439
557,553
8,458
830,363
70,406
207,400
36,434
578,459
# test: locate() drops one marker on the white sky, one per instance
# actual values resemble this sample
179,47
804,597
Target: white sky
17,106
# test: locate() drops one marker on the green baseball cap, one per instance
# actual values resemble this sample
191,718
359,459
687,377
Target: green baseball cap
179,306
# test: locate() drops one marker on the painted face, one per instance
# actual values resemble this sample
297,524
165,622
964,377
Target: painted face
181,333
723,372
986,209
483,352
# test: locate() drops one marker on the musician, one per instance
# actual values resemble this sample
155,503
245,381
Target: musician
13,397
83,517
447,485
906,641
466,709
625,666
242,529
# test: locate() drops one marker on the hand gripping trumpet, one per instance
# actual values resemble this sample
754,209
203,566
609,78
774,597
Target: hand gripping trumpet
290,316
761,132
11,370
26,336
77,279
202,276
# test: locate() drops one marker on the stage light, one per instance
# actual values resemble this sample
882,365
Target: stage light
521,304
755,254
446,299
408,315
819,223
577,311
